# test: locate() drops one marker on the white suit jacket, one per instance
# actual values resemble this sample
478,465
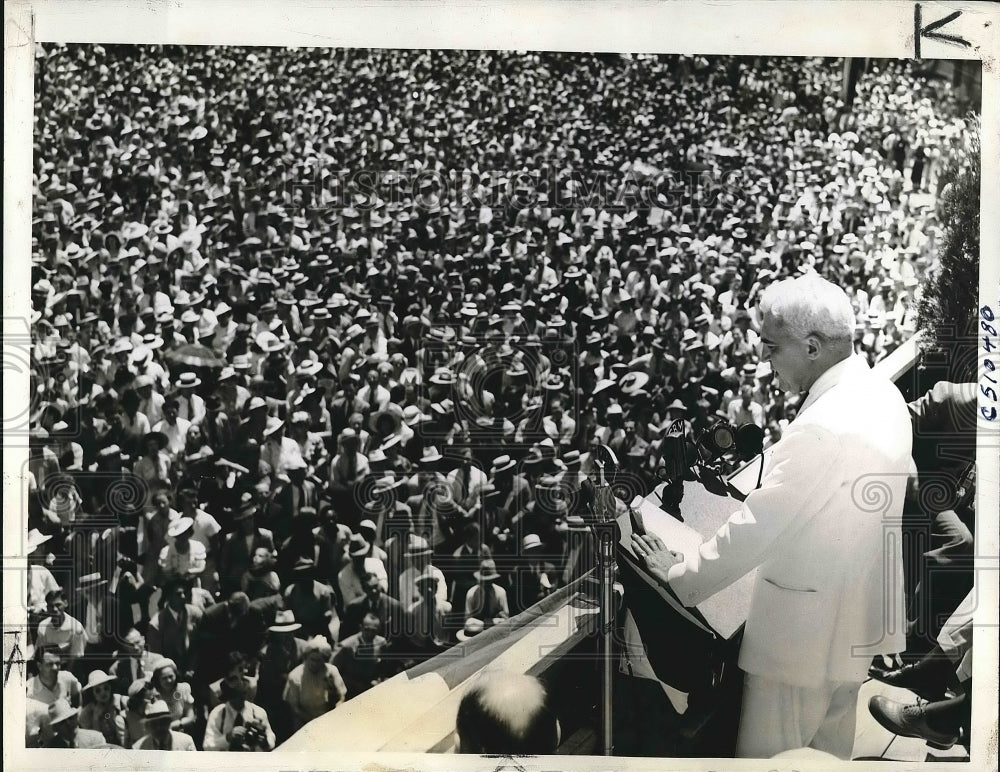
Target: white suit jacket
824,528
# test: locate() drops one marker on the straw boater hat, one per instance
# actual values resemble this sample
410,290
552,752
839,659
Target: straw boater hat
157,711
576,523
90,581
412,415
179,526
417,547
472,628
284,622
501,464
303,566
431,455
487,571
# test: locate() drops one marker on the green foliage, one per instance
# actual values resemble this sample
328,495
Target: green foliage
947,312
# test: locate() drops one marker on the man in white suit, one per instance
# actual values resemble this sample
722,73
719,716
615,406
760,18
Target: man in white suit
823,528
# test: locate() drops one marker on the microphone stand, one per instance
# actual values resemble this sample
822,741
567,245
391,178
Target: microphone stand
605,510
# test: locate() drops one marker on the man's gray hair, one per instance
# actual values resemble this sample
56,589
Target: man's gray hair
810,305
320,644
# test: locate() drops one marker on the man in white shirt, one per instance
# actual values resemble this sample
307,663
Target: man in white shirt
466,482
60,630
40,579
52,682
159,736
744,410
418,555
205,528
278,450
374,393
558,425
352,578
173,427
829,590
190,406
150,402
238,724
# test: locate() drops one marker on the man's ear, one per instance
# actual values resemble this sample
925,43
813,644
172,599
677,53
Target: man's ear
814,347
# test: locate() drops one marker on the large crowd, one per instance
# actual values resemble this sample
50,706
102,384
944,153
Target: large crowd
324,341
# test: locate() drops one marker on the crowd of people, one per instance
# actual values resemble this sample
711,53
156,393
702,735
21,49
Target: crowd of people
324,341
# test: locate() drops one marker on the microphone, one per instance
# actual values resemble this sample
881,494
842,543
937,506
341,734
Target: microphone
750,443
673,458
718,438
677,456
597,500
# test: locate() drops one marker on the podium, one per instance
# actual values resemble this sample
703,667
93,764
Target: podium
692,652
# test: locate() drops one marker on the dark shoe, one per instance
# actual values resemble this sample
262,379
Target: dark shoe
909,677
909,721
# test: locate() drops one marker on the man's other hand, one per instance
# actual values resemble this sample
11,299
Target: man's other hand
655,555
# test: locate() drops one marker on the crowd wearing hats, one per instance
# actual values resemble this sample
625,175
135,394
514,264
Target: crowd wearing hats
324,342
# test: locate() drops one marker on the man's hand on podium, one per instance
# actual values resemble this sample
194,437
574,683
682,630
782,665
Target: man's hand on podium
655,555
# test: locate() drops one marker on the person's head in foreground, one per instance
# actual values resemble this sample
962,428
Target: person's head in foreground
507,713
317,654
807,326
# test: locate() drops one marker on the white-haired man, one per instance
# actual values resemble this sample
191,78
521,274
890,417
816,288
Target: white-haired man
823,528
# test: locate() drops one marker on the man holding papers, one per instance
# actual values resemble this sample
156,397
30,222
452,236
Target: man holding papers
823,528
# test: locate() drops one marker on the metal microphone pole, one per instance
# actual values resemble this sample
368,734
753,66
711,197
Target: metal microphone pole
605,511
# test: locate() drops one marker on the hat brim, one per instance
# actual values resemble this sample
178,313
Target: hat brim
289,628
65,716
107,679
480,577
91,584
32,546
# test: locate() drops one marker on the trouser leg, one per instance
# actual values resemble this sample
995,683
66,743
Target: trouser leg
836,734
777,717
